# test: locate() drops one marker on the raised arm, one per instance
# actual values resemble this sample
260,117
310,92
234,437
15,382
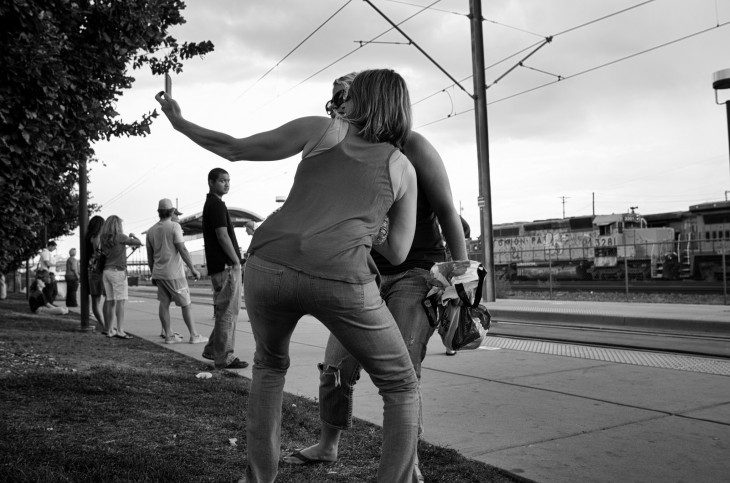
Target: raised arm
434,182
280,143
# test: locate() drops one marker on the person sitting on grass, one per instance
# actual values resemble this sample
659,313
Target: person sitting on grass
37,300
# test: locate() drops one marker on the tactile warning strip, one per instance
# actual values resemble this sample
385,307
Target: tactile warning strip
622,356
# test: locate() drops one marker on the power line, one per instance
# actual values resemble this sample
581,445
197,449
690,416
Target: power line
621,59
577,74
293,50
467,15
429,7
604,17
347,55
547,40
418,46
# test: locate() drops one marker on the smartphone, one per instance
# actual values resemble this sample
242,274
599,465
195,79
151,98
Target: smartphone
168,85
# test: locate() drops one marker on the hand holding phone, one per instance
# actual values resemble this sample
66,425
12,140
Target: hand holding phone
168,85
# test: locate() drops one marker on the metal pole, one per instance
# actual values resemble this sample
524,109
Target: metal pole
626,274
727,112
83,225
724,275
480,111
550,273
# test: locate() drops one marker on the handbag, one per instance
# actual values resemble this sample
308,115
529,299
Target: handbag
97,261
461,323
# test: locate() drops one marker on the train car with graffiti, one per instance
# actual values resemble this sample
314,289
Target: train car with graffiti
693,244
581,248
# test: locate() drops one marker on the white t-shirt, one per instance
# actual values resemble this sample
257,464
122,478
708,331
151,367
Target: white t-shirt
161,238
49,258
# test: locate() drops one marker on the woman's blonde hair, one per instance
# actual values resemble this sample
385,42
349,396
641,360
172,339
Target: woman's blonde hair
109,230
381,106
345,82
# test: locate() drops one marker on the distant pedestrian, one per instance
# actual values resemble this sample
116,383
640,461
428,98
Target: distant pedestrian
37,301
114,245
223,259
72,278
96,283
50,290
48,262
166,253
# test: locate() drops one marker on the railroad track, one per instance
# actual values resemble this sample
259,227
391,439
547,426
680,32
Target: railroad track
649,286
608,337
707,341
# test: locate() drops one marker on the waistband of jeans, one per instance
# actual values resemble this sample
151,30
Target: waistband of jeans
119,269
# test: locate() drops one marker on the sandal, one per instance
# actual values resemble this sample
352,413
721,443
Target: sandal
297,458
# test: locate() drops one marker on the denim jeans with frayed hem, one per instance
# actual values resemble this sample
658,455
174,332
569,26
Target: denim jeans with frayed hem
403,294
226,305
276,298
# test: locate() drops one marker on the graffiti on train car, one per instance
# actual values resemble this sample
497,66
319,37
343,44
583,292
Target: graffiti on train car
550,244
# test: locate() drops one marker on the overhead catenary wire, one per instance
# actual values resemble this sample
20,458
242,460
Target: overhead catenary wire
293,50
362,45
583,72
419,47
467,15
547,39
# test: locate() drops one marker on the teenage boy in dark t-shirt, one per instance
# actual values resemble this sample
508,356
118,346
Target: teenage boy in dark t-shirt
223,261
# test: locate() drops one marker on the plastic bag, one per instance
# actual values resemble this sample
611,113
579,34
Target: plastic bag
453,304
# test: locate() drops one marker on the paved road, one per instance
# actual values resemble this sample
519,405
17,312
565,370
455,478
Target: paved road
547,412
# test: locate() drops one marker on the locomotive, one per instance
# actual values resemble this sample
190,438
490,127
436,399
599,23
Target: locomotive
702,239
676,245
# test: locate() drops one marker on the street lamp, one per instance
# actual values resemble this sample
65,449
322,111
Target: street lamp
721,80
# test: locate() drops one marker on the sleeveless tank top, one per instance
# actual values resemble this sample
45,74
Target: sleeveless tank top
326,226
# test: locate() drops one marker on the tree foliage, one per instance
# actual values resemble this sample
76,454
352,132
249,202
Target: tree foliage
63,66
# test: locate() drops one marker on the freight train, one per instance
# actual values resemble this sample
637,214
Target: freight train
676,245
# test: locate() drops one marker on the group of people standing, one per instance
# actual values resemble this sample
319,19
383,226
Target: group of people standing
317,256
106,259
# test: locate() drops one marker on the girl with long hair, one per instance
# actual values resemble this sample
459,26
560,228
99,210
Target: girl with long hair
96,284
114,245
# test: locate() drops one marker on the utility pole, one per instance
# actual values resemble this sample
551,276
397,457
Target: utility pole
593,202
563,198
83,256
480,112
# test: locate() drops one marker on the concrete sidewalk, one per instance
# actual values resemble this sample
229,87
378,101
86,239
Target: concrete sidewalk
547,412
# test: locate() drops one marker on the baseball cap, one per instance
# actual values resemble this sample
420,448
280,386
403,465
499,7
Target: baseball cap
166,204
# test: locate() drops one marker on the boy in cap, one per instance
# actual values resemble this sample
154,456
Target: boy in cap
166,253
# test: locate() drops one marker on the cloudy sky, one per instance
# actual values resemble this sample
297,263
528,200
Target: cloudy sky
616,111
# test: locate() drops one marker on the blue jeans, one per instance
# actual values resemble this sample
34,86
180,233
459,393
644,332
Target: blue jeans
403,293
226,305
276,298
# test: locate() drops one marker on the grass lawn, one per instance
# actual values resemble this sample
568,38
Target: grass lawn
80,407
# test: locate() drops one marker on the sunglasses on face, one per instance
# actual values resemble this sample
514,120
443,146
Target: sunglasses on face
333,104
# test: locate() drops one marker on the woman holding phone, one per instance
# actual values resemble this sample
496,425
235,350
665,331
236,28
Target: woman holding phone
313,257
